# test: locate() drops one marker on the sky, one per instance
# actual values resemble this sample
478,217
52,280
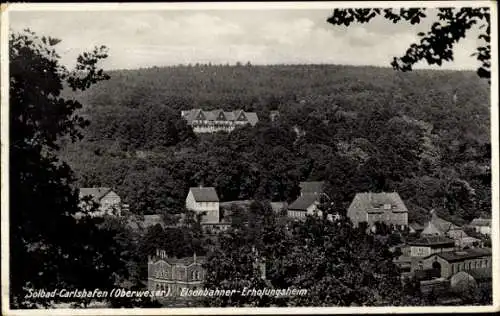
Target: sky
262,36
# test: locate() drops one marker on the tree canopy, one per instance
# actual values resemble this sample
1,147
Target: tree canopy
435,46
49,247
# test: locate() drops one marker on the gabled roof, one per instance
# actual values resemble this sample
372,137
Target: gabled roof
96,193
432,230
375,202
239,115
206,194
199,115
432,241
453,256
185,261
312,187
252,118
220,115
480,222
438,225
216,115
304,202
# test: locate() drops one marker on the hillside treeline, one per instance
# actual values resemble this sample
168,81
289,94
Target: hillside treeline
424,134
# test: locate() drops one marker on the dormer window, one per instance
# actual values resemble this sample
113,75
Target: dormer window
200,116
242,117
387,206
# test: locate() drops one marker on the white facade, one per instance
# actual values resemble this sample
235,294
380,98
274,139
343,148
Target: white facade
215,126
311,210
424,251
211,208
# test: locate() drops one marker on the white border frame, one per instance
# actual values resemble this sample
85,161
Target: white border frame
6,8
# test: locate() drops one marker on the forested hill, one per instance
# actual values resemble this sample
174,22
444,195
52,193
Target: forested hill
423,133
425,94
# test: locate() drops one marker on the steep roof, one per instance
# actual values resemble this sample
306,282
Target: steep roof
480,222
303,202
375,202
185,261
205,194
214,115
312,187
96,193
438,225
432,230
432,241
453,256
252,118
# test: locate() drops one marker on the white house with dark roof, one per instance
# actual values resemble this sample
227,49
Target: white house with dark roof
204,199
383,207
311,193
108,201
304,205
218,120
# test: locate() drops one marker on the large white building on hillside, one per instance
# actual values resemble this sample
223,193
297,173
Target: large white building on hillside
218,120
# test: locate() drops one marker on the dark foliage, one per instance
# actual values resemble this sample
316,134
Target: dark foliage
424,134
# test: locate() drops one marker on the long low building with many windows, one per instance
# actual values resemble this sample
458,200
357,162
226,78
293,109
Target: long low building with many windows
452,262
218,120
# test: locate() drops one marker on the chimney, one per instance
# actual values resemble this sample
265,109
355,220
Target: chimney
194,257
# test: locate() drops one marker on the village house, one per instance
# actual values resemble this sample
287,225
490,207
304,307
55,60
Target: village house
172,274
387,208
218,120
204,200
107,200
311,194
481,225
440,227
427,246
304,205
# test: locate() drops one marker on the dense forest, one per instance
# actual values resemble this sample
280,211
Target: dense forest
424,134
